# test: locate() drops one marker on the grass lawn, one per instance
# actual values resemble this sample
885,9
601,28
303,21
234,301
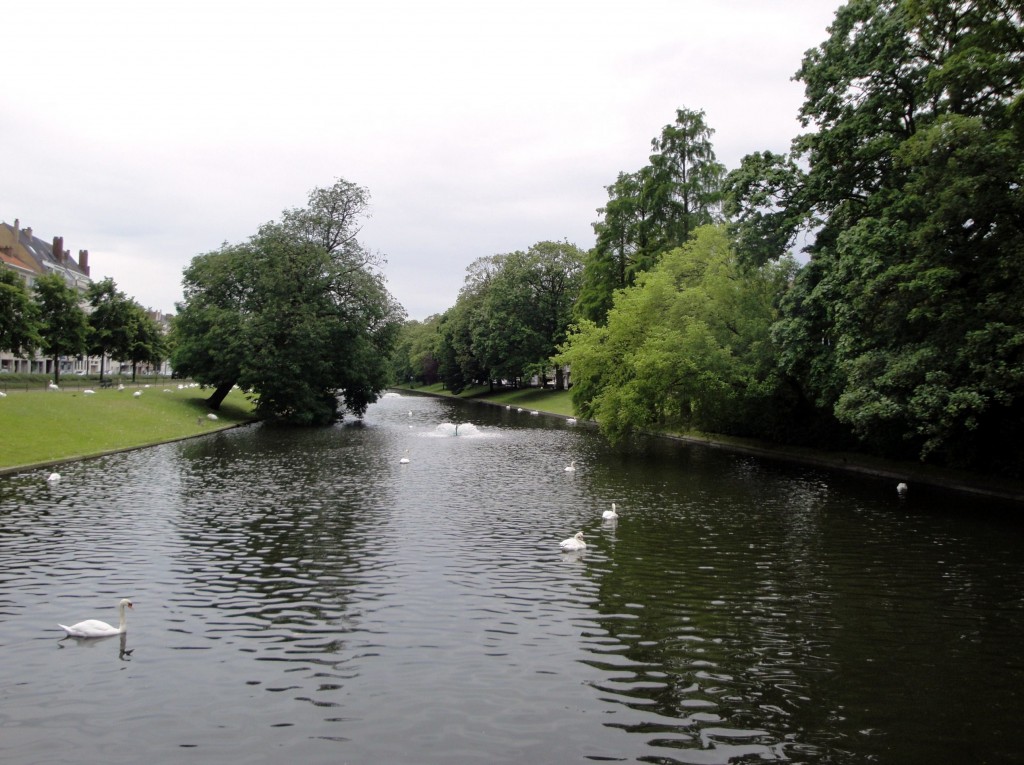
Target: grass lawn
39,426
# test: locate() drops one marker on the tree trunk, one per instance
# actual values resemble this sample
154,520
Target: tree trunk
103,363
559,379
56,370
220,394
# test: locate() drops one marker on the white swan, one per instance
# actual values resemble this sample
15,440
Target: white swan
573,543
94,628
211,416
53,478
571,467
571,421
901,489
405,459
610,515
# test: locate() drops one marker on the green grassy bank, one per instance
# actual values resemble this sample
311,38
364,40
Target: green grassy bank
551,401
39,427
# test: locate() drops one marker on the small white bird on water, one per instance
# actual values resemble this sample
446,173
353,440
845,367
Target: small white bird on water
53,478
571,467
405,459
573,543
901,489
94,628
610,515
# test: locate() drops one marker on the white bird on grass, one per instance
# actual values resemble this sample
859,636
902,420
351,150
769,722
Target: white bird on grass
94,628
137,393
88,391
573,543
211,416
53,386
610,515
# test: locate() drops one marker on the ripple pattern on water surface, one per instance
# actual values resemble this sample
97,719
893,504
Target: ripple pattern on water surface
311,593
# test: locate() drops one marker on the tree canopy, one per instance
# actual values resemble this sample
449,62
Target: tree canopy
653,210
297,315
19,321
63,325
687,347
512,312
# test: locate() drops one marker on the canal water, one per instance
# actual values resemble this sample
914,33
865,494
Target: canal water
307,596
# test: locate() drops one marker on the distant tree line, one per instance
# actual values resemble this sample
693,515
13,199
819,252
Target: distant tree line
899,332
55,319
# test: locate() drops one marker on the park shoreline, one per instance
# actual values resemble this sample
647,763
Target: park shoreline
1002,490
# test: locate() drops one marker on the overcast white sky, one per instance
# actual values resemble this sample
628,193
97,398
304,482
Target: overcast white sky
151,132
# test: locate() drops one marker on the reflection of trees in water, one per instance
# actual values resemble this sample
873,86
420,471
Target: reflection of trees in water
279,526
710,612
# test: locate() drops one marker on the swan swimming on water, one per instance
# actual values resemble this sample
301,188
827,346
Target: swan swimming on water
53,478
574,542
901,489
571,467
405,459
94,628
610,515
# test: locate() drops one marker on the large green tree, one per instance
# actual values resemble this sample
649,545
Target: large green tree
63,327
653,210
110,321
512,313
907,324
299,315
147,344
687,347
19,321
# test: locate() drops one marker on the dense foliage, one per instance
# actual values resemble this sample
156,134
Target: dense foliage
687,347
512,313
902,331
652,211
63,326
19,323
121,328
298,315
907,326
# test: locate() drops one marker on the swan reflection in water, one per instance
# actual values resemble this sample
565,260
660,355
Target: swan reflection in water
123,652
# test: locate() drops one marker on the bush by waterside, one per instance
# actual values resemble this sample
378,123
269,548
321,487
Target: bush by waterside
41,425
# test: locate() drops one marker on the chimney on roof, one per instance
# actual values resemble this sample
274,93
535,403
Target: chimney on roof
58,249
28,232
83,261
